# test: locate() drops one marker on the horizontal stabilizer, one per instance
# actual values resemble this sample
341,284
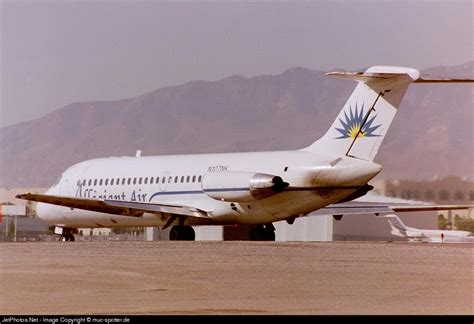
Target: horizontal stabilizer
440,80
367,76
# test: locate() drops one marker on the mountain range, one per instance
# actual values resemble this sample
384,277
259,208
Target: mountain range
431,136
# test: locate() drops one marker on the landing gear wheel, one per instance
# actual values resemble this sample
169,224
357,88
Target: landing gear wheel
190,234
182,233
67,237
269,235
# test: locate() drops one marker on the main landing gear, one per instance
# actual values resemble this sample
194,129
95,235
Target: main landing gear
263,233
182,233
67,237
66,234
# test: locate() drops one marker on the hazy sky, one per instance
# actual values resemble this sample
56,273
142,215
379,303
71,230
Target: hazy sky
57,52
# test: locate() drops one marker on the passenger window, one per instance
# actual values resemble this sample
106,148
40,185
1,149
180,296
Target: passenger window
84,182
157,180
129,181
182,179
194,179
140,180
163,180
151,180
79,182
112,181
90,182
146,180
123,181
95,182
169,179
134,180
106,181
200,179
187,178
176,179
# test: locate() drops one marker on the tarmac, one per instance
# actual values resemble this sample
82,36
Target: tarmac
151,278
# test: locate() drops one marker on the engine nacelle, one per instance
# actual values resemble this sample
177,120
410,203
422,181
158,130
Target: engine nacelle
241,186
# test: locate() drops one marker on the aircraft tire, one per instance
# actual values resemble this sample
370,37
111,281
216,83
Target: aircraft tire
269,235
182,233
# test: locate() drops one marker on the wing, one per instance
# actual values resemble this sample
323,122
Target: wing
116,207
354,208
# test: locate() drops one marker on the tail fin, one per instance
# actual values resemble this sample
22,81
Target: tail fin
396,223
363,122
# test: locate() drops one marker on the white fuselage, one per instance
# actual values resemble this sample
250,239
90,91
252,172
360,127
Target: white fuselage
314,181
438,236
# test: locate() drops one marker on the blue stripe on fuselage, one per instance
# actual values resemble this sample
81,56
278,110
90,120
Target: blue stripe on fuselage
193,192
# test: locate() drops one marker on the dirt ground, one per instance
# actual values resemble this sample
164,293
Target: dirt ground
236,278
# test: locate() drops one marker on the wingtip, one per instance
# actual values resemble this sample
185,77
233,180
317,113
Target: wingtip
22,196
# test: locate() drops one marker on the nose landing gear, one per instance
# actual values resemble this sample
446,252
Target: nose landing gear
66,234
67,238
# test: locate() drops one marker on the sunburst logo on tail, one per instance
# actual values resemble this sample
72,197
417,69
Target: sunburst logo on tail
351,126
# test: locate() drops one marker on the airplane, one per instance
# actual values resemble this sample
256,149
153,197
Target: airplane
257,188
426,235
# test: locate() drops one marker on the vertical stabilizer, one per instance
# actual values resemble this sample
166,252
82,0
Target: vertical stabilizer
363,122
396,223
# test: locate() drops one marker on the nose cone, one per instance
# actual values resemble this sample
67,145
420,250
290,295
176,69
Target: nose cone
358,173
